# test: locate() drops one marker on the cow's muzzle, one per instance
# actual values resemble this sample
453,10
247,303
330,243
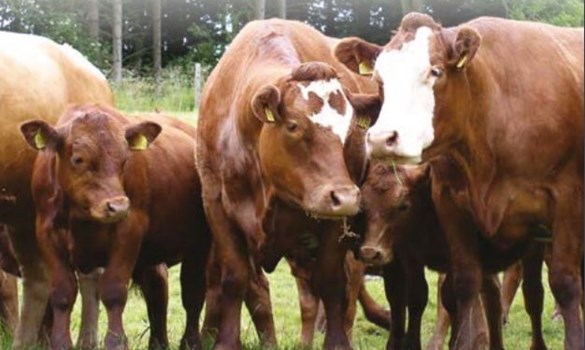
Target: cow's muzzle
111,209
374,255
335,201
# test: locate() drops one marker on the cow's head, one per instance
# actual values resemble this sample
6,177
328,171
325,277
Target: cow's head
307,117
93,148
395,200
422,78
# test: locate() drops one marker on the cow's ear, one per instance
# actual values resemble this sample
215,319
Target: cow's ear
40,135
357,54
465,46
367,108
265,104
141,135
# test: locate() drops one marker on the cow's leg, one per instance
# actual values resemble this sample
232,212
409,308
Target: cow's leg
492,305
450,304
534,293
465,269
212,319
510,284
258,303
417,296
35,287
394,287
90,304
113,285
354,271
235,272
193,285
442,326
309,305
565,273
153,282
9,301
373,311
330,282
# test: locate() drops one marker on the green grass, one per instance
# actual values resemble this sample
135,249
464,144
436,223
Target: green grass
287,318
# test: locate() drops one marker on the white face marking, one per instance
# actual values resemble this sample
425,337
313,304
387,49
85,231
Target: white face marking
409,101
328,116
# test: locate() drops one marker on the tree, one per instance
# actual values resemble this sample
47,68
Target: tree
412,6
117,41
281,8
259,9
156,44
93,19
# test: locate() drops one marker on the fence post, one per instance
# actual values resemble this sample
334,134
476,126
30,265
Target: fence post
197,85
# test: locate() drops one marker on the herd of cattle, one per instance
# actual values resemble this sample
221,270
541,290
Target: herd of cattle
458,149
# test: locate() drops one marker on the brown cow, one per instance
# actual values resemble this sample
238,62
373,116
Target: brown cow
39,79
114,191
403,235
8,284
271,129
502,102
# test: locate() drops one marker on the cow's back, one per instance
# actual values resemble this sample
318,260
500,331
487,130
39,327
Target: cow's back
38,79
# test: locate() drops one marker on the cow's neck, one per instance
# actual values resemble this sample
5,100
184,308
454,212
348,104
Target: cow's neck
472,156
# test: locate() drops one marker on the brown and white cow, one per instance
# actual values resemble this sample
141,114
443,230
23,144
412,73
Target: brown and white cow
272,126
39,78
121,193
501,102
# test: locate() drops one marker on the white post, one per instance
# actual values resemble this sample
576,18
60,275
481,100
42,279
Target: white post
197,85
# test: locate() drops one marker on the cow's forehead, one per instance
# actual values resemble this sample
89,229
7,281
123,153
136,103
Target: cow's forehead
337,118
410,57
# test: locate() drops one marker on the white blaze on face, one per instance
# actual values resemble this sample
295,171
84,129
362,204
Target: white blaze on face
328,116
407,111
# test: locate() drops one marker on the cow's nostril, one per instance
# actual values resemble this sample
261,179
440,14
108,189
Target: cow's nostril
390,141
377,256
111,207
335,199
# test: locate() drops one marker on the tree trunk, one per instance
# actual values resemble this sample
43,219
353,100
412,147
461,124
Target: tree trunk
117,41
156,45
93,19
412,6
329,18
281,8
362,19
418,5
259,9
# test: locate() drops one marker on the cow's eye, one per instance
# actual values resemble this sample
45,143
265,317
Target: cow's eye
403,206
76,160
292,126
436,72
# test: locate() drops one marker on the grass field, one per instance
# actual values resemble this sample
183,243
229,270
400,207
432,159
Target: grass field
286,309
287,318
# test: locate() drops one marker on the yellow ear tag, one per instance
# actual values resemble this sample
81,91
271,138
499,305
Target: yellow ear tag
39,140
365,68
140,143
363,122
269,115
462,62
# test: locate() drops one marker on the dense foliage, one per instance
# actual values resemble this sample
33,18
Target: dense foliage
199,30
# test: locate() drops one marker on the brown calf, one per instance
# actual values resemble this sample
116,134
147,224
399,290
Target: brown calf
121,193
39,79
403,235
